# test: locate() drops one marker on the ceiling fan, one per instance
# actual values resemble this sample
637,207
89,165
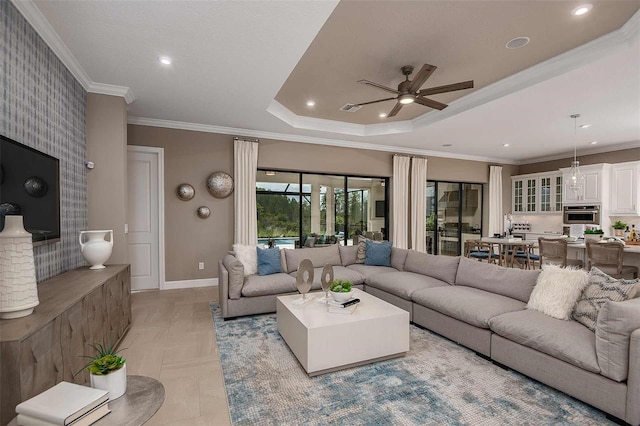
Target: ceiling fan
408,91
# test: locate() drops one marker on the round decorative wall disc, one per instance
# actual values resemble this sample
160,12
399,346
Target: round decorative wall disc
185,192
220,184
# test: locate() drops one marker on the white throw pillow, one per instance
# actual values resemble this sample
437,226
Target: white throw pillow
557,290
248,255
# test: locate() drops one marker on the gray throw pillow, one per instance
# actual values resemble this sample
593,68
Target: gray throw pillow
361,255
600,289
235,268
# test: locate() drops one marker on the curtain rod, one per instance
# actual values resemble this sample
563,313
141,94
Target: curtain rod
237,138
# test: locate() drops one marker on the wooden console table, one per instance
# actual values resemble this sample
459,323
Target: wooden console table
76,308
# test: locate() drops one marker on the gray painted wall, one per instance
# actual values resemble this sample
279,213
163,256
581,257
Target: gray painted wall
44,107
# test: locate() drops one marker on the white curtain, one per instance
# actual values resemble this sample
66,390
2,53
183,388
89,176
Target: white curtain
245,154
419,204
496,222
400,201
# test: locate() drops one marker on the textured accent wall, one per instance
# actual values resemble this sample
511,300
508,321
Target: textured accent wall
44,107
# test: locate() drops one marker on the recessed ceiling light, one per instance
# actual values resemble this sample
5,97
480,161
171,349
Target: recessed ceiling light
311,103
505,144
582,9
594,142
165,60
517,42
382,115
584,126
446,144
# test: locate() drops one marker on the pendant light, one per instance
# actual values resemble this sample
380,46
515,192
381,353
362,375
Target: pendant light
576,179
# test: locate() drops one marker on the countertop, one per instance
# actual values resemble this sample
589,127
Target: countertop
582,245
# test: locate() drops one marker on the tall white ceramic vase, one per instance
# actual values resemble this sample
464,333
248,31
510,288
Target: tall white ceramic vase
96,250
18,287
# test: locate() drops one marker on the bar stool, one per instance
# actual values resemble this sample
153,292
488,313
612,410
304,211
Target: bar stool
554,251
608,258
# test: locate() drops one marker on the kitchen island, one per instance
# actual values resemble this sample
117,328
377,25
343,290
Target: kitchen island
578,250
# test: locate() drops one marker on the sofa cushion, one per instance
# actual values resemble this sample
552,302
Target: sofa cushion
378,253
510,282
557,290
339,273
348,254
269,261
566,340
319,256
402,283
262,285
601,287
441,267
616,322
468,304
236,275
398,258
248,255
368,270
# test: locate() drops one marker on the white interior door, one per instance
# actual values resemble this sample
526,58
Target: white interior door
145,218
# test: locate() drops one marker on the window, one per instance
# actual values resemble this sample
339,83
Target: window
330,208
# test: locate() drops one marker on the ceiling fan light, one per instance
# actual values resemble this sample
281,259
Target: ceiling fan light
406,99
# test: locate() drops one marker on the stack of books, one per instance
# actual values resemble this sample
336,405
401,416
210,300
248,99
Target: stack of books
343,307
65,404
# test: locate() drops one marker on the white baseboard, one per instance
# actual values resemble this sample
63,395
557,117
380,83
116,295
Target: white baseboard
204,282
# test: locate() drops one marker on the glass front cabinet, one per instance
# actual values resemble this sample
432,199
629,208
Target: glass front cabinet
536,193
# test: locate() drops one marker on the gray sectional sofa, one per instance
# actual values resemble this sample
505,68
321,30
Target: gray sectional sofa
480,306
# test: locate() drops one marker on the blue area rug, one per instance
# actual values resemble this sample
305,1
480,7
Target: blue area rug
436,383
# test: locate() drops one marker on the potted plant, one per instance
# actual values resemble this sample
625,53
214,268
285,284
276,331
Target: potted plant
618,228
341,290
593,234
107,370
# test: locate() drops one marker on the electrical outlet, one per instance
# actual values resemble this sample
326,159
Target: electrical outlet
201,265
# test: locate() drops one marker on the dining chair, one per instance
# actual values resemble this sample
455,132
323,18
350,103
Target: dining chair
524,256
476,249
554,251
608,257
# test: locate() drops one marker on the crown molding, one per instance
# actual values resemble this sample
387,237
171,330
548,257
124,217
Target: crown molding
560,64
110,89
208,128
36,19
583,152
41,25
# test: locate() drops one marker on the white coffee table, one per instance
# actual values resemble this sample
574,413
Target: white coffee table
325,342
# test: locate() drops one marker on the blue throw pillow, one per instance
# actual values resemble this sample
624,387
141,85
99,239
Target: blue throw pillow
378,253
269,261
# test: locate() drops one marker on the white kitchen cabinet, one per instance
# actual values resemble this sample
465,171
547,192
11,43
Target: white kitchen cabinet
624,189
536,193
596,184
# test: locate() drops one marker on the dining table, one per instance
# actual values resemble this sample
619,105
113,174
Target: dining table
508,247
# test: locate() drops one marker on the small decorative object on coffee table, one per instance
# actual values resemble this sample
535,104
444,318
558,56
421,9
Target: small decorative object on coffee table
341,291
304,280
107,370
326,280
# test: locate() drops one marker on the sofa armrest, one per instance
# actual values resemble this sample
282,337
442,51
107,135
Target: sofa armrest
633,381
223,288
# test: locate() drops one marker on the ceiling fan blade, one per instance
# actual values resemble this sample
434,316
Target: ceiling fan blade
422,76
375,102
396,109
430,103
379,86
446,88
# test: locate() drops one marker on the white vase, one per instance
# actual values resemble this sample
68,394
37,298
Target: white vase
96,250
18,287
115,383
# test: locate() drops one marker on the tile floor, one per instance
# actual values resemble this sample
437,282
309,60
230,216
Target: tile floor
172,339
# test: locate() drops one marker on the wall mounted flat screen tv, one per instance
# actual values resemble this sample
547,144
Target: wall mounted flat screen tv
30,186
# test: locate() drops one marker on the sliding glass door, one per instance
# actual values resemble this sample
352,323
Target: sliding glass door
454,215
